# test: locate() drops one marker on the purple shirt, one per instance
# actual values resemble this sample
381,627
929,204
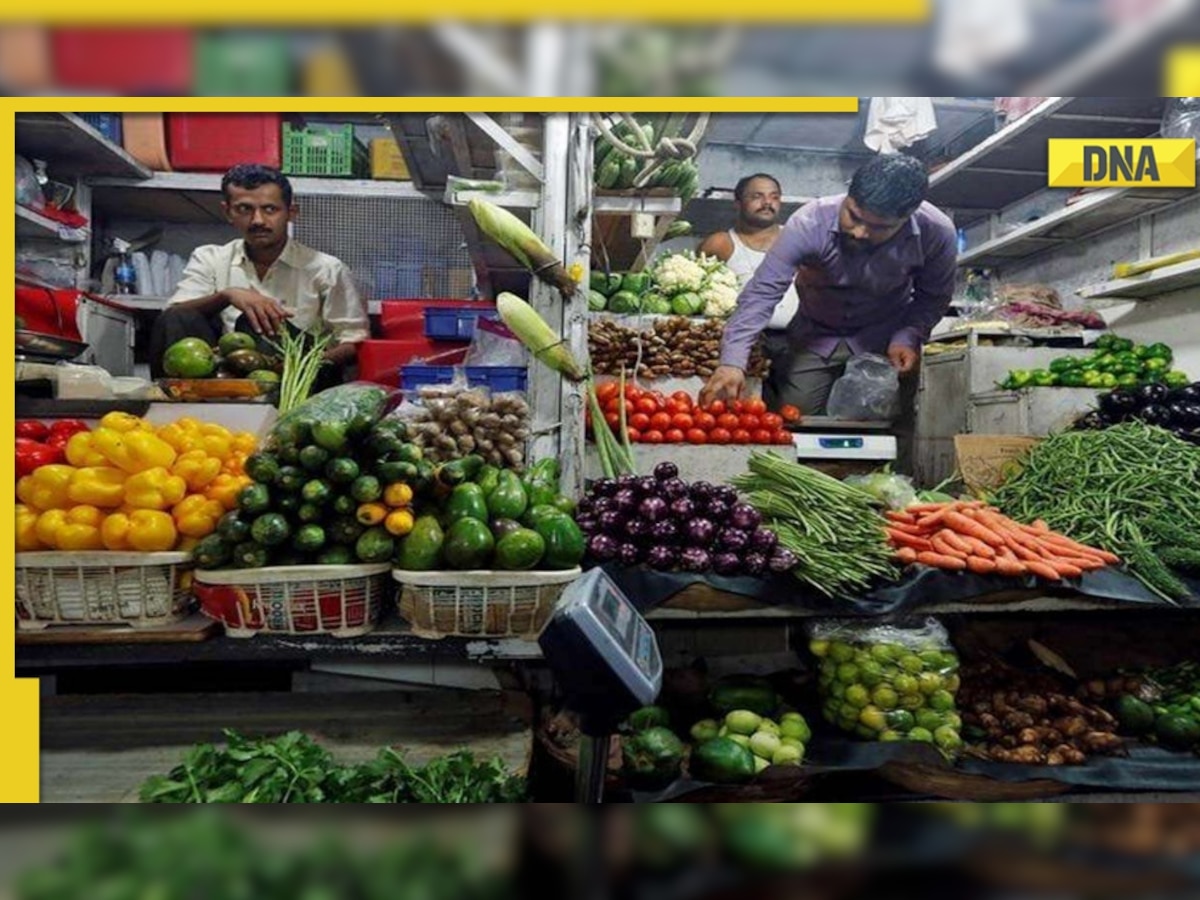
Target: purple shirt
892,294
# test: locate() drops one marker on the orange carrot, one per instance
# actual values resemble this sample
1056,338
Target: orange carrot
934,519
903,539
1040,525
1065,569
981,566
954,540
978,547
905,517
906,555
906,527
939,561
1042,570
918,508
1010,567
963,524
941,546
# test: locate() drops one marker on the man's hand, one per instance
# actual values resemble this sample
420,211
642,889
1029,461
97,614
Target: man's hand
266,314
904,358
726,383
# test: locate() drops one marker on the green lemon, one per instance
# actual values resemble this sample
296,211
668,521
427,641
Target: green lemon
864,732
947,738
953,683
942,701
900,720
818,648
870,672
911,663
885,652
884,697
873,717
929,720
890,735
911,701
847,673
857,695
953,719
847,723
840,652
921,734
928,682
933,660
837,690
906,684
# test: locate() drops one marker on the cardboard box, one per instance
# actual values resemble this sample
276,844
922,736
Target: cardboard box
387,162
986,460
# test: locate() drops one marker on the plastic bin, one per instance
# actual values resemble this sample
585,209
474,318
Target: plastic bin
404,317
243,65
380,360
387,162
108,124
332,153
495,378
130,61
455,323
214,142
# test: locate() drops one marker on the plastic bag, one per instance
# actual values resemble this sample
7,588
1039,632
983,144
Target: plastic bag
894,491
450,421
868,391
494,345
889,682
1181,119
334,419
29,192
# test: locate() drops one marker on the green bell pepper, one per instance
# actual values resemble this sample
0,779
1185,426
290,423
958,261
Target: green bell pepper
1116,344
1161,351
1108,380
1042,378
1065,364
1072,379
1017,379
1092,378
1105,363
1141,351
1175,379
1156,364
1104,343
1128,379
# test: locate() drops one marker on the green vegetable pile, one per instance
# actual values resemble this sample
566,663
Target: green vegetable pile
833,529
1132,489
617,170
1166,709
1116,362
292,768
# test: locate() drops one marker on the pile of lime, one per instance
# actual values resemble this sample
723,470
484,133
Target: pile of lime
883,691
744,743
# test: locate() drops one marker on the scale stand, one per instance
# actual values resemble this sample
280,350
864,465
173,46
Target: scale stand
605,659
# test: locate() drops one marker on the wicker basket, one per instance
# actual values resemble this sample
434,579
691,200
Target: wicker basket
343,601
480,603
141,590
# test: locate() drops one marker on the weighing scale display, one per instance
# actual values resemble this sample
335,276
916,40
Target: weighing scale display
840,443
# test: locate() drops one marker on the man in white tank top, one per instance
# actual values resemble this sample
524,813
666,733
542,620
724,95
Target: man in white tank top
757,200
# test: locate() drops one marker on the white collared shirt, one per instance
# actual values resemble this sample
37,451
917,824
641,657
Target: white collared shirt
315,286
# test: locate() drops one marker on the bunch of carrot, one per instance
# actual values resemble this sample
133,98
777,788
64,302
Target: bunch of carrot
971,535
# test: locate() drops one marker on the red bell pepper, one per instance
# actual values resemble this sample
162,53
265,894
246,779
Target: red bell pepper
31,455
32,429
62,429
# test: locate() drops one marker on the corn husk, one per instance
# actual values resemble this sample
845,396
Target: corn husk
543,342
521,243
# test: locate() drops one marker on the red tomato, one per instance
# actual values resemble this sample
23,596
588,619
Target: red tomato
783,437
771,421
646,405
660,421
607,391
640,421
727,420
761,436
674,436
697,436
718,436
790,413
632,391
682,420
738,406
613,420
749,421
634,435
741,436
659,399
704,420
716,407
755,407
682,397
654,436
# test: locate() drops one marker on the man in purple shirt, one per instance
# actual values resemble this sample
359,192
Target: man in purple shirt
874,269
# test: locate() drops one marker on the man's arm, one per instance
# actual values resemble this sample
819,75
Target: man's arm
345,314
197,290
933,289
717,244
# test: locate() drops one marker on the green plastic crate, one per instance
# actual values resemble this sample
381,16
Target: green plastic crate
325,152
243,65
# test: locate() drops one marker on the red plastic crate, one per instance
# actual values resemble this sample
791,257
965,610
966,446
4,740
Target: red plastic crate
213,142
380,361
128,61
400,319
49,311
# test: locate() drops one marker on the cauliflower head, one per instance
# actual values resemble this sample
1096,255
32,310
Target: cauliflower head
719,300
678,273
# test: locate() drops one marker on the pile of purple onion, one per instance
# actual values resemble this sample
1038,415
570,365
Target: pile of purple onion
668,524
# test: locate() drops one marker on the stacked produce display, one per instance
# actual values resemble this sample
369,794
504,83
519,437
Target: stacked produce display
651,417
616,169
681,284
1176,410
235,356
1159,705
1116,362
667,348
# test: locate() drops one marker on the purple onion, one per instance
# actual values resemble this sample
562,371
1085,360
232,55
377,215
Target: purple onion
647,486
653,508
726,493
673,489
783,560
683,509
754,563
727,564
637,528
764,541
666,470
629,554
701,490
626,500
662,558
732,539
603,504
603,548
612,522
586,504
700,533
744,516
627,481
716,509
587,524
604,487
664,532
693,559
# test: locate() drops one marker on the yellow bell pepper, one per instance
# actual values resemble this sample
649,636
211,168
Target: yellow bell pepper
80,451
98,486
124,422
218,446
245,442
235,464
398,494
27,539
187,423
196,468
225,489
154,489
144,530
48,525
182,439
81,531
46,488
196,516
133,451
214,428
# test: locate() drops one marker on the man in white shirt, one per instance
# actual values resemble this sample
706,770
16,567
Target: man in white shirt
263,282
757,199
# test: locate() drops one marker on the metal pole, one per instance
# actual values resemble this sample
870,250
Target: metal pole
593,767
578,248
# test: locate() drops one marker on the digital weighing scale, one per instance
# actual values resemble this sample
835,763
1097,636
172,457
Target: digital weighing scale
605,658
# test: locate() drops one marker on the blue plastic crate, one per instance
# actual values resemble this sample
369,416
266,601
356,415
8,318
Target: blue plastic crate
495,378
108,124
454,323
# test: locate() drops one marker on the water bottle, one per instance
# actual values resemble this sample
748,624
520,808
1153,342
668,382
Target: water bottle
126,275
962,241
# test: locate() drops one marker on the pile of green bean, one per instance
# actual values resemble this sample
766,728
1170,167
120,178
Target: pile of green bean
834,529
1133,489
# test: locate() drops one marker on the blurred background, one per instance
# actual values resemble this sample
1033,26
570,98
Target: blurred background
968,47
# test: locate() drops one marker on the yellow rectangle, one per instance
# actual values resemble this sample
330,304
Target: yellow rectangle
1182,76
1096,162
387,162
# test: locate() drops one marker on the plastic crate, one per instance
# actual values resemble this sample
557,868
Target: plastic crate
108,124
333,153
215,142
134,61
380,360
403,317
243,65
480,603
343,601
495,378
455,323
141,590
387,162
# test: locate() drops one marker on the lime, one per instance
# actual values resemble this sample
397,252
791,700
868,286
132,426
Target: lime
911,663
933,660
906,684
264,376
921,734
837,690
884,697
942,701
870,672
829,667
884,652
189,358
847,723
769,727
889,735
847,673
795,728
873,717
864,732
857,695
953,719
953,683
947,738
818,648
900,720
928,682
929,720
840,652
236,340
911,701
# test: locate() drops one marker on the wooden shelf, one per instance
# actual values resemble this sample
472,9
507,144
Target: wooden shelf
32,224
74,147
1147,286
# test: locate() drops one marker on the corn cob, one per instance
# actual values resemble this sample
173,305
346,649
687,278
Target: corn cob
532,331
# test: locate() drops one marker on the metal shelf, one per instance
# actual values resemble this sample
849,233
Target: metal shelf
137,302
67,142
1151,284
1011,164
32,224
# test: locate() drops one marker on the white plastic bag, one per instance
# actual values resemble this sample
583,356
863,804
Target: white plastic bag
1181,119
869,391
494,345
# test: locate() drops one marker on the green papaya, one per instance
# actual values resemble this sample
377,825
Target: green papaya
421,548
564,542
520,549
540,493
466,501
488,478
548,469
508,499
723,761
535,514
375,545
469,544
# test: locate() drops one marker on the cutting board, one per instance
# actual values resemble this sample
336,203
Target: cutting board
194,628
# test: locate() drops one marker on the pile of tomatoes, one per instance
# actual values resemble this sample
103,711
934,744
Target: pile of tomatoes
652,417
